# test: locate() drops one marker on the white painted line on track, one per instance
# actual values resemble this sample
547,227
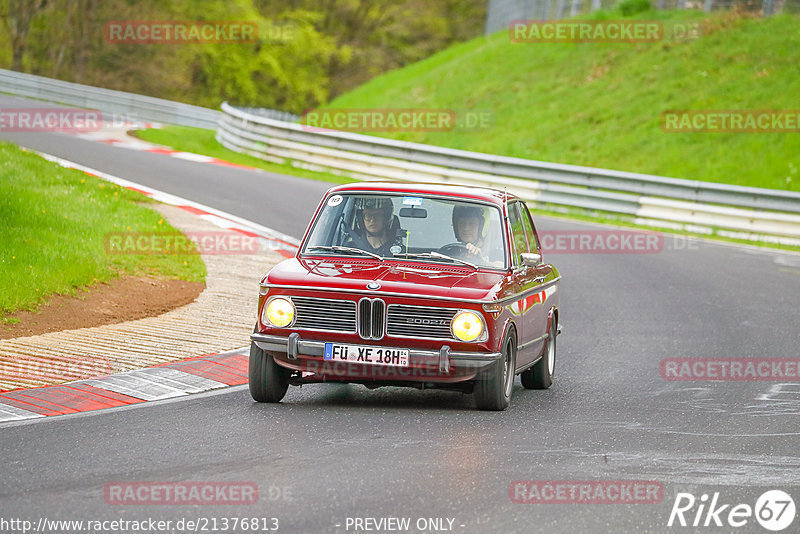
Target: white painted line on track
192,157
138,385
184,381
230,220
12,413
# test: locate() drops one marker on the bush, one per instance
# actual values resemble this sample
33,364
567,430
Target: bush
632,7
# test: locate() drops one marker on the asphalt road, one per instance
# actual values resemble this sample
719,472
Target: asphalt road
328,453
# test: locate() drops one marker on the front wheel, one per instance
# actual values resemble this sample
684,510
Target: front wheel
494,392
540,376
268,380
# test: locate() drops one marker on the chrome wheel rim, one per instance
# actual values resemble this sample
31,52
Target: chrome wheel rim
551,351
508,375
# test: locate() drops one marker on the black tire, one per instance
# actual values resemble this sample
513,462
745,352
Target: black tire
540,376
493,392
268,380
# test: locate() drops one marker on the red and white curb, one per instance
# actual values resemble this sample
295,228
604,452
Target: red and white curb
144,146
269,239
166,381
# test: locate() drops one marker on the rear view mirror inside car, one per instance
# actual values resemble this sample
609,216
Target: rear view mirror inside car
414,213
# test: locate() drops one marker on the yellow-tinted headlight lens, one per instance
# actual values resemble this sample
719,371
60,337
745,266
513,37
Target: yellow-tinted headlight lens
467,326
279,312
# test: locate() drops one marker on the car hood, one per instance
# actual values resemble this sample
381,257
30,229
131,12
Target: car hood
408,278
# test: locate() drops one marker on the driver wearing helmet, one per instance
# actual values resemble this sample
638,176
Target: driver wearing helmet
374,217
468,223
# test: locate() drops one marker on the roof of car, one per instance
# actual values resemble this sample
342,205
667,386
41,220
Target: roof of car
476,193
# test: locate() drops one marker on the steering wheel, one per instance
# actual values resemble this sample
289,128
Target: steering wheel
352,239
457,250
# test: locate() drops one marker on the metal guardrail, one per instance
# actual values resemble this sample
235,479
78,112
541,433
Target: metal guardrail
271,114
745,212
136,107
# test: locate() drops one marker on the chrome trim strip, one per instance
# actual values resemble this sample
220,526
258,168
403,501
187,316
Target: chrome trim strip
514,298
528,365
423,337
416,296
317,330
531,342
385,318
317,348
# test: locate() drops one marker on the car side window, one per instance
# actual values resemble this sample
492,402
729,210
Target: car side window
527,222
517,233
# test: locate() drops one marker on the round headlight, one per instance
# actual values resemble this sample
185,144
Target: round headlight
279,312
467,326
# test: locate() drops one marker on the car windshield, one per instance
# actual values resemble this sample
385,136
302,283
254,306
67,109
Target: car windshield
423,228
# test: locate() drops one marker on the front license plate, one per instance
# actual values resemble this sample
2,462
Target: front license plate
369,355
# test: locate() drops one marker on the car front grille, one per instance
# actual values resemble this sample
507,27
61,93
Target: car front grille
371,318
325,314
419,321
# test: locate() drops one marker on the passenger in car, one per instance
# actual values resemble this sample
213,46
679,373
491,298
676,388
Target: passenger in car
468,227
378,225
468,224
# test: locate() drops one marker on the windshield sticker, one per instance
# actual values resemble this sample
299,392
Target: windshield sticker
412,201
335,200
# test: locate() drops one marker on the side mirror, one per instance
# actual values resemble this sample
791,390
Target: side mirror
530,259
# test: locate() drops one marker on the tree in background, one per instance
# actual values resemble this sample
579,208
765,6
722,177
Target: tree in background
325,47
17,16
385,34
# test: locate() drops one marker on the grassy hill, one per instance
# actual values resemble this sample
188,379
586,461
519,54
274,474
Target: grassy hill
55,222
600,104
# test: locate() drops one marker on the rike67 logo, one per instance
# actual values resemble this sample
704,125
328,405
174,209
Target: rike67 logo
774,510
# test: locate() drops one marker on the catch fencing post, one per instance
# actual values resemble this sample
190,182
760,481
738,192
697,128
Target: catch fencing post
560,6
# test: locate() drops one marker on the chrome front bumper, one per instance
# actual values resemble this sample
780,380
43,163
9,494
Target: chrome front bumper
293,346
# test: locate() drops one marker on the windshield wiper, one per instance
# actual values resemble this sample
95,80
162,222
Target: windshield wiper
353,250
437,255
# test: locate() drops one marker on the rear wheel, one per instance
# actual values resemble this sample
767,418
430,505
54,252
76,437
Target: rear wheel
494,391
540,376
268,380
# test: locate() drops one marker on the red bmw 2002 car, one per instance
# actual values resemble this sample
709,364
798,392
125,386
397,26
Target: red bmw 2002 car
422,285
